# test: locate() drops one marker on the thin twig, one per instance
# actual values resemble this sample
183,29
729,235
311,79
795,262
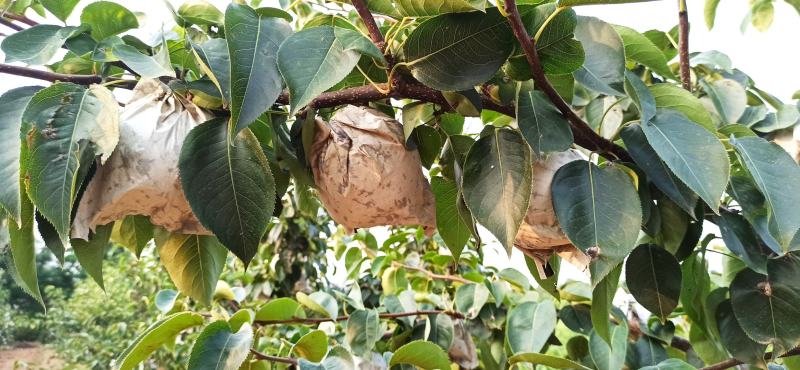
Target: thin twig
727,364
11,24
431,274
266,357
21,19
683,44
584,135
312,321
53,77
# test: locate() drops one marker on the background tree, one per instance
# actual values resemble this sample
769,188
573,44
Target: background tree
663,140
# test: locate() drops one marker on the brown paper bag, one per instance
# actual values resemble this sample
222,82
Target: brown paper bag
141,176
365,175
789,140
540,236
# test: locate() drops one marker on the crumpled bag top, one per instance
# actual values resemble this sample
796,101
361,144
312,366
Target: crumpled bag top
365,176
540,235
141,176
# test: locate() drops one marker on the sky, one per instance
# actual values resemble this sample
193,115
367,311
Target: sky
770,58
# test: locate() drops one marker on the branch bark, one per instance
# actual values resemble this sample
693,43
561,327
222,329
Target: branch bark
366,16
683,44
727,364
53,77
303,320
584,135
10,24
270,358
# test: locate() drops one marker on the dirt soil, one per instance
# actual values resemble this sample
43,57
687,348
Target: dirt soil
28,356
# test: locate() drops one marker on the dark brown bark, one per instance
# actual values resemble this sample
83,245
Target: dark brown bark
683,45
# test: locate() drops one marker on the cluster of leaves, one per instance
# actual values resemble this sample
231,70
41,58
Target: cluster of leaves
692,157
760,15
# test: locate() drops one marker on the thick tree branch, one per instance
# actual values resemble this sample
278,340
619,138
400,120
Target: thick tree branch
366,16
265,357
312,321
683,44
53,77
727,364
584,135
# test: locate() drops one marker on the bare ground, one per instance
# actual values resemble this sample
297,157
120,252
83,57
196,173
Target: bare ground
28,356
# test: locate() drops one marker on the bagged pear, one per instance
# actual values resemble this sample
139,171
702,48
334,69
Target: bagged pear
366,176
540,235
789,140
141,175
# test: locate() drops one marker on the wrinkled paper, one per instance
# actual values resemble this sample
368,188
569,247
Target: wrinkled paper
141,175
540,235
365,175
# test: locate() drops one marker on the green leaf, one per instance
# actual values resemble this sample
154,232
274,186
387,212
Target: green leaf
50,237
338,359
194,263
693,154
654,279
402,303
134,233
609,357
21,261
107,18
710,12
641,96
423,8
154,337
566,3
640,49
470,298
229,185
497,182
219,348
549,284
729,98
90,253
604,68
452,228
312,346
695,288
597,208
439,329
200,12
165,300
674,97
657,171
602,303
436,50
279,309
36,45
363,331
670,364
577,317
546,360
213,59
319,302
559,52
771,168
60,8
545,129
315,59
530,325
66,126
145,65
767,306
422,354
740,238
12,104
253,41
735,339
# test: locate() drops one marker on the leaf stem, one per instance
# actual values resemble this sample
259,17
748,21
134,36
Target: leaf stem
546,22
266,357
